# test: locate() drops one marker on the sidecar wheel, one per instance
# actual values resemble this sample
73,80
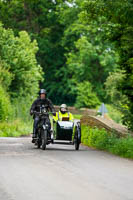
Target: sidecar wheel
77,144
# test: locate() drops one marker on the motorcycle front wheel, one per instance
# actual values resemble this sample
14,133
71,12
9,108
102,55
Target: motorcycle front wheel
44,139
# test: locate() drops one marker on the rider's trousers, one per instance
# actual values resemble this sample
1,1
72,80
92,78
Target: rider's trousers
35,125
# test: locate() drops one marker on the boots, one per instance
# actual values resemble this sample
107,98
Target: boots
33,138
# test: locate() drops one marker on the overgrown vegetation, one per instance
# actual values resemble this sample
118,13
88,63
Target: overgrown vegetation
79,50
19,81
15,128
103,140
114,113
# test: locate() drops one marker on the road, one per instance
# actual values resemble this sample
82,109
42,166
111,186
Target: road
61,173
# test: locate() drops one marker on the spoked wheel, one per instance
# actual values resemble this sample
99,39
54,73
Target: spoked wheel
44,139
77,138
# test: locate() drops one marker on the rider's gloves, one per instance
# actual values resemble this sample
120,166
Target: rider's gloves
31,112
54,114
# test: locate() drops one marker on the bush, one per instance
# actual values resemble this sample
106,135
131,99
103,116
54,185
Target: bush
5,105
95,137
15,128
85,96
21,122
22,109
114,114
101,139
18,63
123,147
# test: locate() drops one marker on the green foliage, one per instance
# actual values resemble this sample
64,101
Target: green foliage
95,137
119,99
123,147
18,54
19,80
128,115
90,60
101,139
78,41
15,129
85,96
5,76
62,34
40,20
21,109
114,113
5,105
113,88
114,20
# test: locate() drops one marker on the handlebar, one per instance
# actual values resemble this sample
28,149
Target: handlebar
43,113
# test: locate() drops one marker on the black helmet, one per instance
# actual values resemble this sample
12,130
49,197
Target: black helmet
42,91
63,108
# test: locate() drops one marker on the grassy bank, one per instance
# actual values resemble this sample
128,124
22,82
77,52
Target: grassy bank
20,122
101,139
15,128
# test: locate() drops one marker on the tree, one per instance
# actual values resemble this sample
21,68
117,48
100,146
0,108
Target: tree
85,96
113,87
40,20
78,41
92,61
114,18
20,72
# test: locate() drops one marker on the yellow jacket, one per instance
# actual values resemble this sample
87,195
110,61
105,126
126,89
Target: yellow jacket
59,116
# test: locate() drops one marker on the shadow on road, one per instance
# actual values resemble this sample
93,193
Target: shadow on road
51,148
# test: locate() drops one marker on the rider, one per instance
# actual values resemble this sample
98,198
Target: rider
63,113
39,102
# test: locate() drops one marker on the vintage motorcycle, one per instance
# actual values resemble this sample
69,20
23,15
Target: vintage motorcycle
43,134
64,132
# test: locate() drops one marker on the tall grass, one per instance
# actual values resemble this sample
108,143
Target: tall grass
15,128
101,139
20,123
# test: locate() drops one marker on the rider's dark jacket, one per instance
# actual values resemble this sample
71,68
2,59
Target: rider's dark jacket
39,102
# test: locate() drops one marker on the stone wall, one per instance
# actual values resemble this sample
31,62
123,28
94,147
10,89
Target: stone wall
108,124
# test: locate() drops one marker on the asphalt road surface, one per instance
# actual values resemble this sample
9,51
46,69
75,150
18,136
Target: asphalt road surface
61,173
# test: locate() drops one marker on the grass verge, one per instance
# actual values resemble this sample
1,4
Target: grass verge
101,139
15,128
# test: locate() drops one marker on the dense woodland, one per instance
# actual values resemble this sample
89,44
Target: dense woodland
81,51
